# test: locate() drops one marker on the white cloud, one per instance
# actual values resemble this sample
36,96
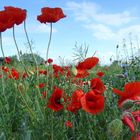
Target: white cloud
83,11
101,31
104,26
92,12
115,19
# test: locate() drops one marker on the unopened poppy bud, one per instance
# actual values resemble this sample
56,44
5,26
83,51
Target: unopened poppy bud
114,129
62,100
127,104
30,72
74,70
21,87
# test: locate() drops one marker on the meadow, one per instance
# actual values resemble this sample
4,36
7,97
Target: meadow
79,101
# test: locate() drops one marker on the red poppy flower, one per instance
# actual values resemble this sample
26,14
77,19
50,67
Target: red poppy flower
44,72
92,103
97,86
75,104
49,61
25,75
7,60
5,69
50,15
57,70
131,92
17,14
81,73
14,74
6,21
41,85
55,100
68,124
88,63
100,74
44,94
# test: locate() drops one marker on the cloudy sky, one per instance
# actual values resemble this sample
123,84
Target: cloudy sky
99,24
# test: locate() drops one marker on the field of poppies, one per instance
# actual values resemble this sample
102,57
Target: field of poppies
81,101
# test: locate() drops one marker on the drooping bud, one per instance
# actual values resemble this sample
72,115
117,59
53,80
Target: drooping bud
74,70
127,104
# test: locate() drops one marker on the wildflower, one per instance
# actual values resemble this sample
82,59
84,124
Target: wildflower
100,74
92,103
68,124
44,72
82,73
97,86
14,74
88,63
6,21
75,104
5,69
25,75
41,85
50,60
50,15
18,15
7,60
44,94
54,100
131,92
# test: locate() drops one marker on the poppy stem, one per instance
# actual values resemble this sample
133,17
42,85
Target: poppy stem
18,51
3,82
16,42
1,45
31,50
47,53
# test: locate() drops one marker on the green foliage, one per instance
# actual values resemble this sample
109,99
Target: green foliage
28,58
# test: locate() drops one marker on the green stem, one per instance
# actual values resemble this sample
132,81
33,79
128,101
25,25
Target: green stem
3,83
31,50
1,45
18,50
32,114
47,54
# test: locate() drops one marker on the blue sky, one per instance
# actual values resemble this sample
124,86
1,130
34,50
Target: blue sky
97,23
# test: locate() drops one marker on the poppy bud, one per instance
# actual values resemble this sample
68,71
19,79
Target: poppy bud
21,87
74,70
62,100
127,104
114,129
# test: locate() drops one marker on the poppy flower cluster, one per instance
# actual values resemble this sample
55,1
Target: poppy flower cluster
11,16
91,101
50,15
